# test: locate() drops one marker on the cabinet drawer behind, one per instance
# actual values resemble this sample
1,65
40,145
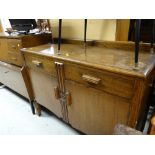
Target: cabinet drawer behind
14,45
15,58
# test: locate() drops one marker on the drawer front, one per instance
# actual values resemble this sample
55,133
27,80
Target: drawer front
40,63
15,58
108,82
14,45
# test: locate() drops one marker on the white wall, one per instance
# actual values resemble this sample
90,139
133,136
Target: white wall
97,29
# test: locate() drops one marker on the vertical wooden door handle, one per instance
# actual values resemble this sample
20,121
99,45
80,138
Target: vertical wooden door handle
13,58
56,92
13,46
68,98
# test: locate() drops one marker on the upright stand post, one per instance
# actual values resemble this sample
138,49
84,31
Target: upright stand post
137,39
85,31
59,38
152,39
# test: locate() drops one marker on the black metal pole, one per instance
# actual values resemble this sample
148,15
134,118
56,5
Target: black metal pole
85,31
59,38
152,39
137,39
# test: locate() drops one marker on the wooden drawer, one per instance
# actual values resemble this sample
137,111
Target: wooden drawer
108,82
14,45
15,58
40,63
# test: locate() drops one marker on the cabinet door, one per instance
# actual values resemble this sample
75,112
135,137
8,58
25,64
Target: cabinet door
43,87
93,111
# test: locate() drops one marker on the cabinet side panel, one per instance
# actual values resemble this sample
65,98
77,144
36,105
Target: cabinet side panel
13,79
3,50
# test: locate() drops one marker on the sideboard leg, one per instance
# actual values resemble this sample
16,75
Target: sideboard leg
1,84
32,107
38,108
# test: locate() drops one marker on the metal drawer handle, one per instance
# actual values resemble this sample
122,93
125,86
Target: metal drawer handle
14,58
37,63
91,79
13,46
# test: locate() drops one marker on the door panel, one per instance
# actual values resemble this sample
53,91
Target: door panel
43,87
93,111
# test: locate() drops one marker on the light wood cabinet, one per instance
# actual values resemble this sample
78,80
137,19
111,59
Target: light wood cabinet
13,71
10,46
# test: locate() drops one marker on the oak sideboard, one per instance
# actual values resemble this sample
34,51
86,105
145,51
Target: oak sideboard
92,88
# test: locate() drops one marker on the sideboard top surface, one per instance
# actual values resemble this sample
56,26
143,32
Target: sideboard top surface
109,59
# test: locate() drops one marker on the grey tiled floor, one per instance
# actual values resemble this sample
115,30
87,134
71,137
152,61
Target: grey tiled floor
16,118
